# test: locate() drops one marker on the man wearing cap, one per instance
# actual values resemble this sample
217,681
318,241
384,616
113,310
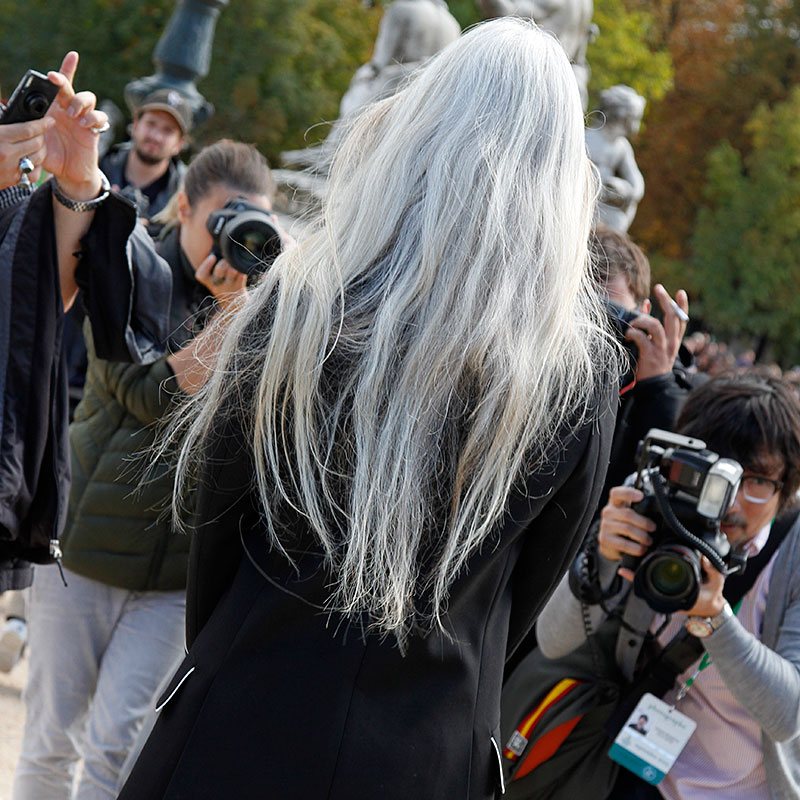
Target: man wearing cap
146,168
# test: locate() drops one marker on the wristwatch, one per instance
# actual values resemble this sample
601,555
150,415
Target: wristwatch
701,627
83,205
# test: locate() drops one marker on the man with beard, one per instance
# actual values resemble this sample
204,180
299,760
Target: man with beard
146,169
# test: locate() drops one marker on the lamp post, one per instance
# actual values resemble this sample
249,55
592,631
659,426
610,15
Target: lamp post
182,55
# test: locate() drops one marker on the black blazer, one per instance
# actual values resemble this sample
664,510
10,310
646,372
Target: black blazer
278,699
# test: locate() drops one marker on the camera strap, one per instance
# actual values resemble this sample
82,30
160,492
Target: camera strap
636,620
684,649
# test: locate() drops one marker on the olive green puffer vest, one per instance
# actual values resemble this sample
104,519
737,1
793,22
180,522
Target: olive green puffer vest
117,531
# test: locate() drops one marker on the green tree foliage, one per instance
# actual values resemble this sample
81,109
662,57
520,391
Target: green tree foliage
729,56
746,259
465,11
628,50
277,69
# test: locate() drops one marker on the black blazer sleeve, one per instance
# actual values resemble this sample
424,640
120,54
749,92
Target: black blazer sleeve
554,537
126,286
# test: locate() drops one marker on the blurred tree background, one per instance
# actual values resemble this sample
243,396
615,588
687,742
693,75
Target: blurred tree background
746,245
713,71
277,68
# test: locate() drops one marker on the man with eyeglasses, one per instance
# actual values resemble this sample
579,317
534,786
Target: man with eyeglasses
745,698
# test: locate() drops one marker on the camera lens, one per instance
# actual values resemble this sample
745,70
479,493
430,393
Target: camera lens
669,578
250,242
37,104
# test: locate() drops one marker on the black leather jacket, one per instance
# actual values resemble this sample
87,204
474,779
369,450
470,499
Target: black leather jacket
126,288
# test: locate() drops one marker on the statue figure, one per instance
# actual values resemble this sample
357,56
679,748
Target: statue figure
411,31
612,154
569,20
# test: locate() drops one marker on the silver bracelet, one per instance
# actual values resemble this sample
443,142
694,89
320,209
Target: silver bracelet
83,205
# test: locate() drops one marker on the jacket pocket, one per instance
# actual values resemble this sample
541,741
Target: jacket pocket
180,677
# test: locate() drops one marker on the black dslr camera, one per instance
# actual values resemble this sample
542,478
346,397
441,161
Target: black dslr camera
621,318
688,490
244,236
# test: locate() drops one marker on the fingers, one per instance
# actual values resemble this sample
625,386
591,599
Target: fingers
81,104
75,105
674,322
626,574
710,600
69,65
645,327
11,153
219,277
623,530
624,495
96,121
65,91
25,131
37,156
713,577
658,344
203,273
613,546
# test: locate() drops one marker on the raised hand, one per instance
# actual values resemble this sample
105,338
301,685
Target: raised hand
658,344
71,142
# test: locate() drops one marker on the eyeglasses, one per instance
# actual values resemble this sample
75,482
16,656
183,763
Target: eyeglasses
759,490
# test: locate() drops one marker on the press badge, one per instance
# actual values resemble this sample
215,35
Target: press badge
652,739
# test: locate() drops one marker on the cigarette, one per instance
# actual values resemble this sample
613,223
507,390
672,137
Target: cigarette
682,315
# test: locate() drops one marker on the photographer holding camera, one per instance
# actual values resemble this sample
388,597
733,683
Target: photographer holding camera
119,625
743,696
42,233
660,382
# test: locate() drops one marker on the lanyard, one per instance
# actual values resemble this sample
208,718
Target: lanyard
706,661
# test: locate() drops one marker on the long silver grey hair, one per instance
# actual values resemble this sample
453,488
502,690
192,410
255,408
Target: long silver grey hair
436,336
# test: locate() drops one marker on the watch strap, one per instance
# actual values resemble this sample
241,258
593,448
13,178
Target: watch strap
705,626
83,205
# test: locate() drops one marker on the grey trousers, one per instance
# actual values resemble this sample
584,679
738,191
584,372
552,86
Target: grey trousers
97,656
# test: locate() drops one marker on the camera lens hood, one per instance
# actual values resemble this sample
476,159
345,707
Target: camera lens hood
668,578
249,242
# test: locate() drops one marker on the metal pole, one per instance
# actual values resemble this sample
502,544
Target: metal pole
182,56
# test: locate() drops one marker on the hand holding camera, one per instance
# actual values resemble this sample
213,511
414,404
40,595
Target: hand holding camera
658,344
22,128
223,281
623,531
46,124
666,529
18,141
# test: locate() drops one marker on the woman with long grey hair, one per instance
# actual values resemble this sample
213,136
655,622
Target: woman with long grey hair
397,451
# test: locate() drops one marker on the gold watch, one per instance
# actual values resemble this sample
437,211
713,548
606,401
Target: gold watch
701,627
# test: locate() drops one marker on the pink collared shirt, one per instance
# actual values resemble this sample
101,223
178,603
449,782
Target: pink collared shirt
723,759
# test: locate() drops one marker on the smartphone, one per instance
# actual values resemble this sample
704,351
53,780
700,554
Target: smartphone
30,100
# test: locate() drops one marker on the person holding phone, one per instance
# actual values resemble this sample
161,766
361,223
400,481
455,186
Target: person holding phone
125,289
22,140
